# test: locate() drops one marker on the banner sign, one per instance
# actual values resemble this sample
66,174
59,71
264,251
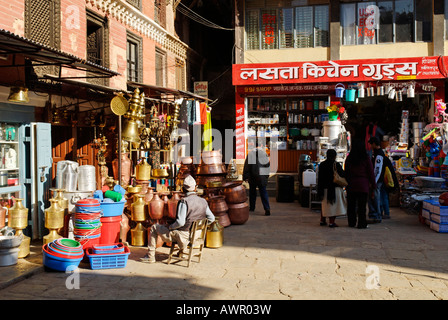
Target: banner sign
417,68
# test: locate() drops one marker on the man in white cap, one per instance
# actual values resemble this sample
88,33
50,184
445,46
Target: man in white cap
190,208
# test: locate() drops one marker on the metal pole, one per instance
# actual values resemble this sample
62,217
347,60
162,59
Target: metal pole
119,150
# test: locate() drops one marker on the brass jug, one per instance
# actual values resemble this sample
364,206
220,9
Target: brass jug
54,220
138,208
18,220
62,202
143,170
214,237
18,215
138,235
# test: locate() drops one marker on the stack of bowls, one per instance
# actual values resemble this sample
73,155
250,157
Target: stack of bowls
62,254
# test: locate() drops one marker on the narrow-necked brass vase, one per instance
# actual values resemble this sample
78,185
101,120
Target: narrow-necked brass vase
138,235
138,214
54,220
18,220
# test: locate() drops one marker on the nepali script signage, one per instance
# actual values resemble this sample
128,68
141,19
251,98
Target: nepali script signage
338,71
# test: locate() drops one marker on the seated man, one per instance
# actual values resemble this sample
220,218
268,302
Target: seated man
189,209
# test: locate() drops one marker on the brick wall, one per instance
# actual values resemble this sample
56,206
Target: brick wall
12,16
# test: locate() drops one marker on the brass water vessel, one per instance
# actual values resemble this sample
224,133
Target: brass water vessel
54,220
18,220
143,170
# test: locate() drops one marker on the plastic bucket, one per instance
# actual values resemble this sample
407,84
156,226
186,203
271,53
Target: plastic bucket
350,94
340,88
110,230
112,209
333,115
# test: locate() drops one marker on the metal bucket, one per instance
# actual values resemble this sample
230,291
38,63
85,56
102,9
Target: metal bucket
66,175
86,178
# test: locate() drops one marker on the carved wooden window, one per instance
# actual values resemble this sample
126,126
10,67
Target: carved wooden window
160,68
134,57
160,12
43,25
180,74
135,3
43,22
97,43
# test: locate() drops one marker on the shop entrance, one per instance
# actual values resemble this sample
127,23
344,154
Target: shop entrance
75,144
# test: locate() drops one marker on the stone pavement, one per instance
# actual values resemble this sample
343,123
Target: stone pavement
285,256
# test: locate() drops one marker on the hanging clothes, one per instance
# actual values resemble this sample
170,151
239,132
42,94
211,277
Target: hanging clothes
198,112
191,112
203,113
207,137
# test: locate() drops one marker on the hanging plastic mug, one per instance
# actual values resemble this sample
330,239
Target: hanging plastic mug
361,91
340,88
380,91
411,91
391,94
399,96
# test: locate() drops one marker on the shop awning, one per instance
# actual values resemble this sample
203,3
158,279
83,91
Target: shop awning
157,91
42,55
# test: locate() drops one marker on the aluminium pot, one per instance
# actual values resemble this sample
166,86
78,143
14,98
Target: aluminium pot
238,212
235,192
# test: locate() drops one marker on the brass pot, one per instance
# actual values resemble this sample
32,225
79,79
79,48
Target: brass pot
235,192
215,236
138,208
143,170
54,215
211,169
138,235
18,215
135,189
238,212
159,173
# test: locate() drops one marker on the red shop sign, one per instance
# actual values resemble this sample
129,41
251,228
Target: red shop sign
416,68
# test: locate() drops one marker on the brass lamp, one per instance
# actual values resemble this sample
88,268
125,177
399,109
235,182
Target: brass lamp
18,95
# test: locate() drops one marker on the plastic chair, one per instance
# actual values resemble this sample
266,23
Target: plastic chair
198,231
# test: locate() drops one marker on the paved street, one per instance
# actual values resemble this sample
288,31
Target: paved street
285,256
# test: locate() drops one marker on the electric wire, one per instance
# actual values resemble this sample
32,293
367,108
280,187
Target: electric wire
199,19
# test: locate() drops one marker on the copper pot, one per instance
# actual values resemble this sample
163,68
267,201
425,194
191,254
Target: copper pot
223,219
172,205
3,212
217,204
235,192
156,206
205,169
238,212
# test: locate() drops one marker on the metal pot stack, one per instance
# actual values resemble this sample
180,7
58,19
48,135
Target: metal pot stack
187,168
211,172
236,197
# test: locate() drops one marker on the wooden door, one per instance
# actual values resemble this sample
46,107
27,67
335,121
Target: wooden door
62,147
75,144
86,152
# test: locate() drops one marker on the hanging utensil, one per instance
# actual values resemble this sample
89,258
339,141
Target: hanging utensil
119,106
